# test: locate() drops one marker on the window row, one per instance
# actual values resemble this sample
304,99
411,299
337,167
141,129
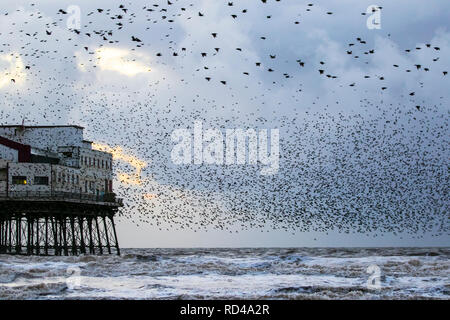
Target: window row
92,162
67,178
62,178
22,180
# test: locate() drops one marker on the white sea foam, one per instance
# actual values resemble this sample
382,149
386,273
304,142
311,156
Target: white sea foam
230,273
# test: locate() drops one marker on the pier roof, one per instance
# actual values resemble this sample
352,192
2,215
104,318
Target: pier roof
24,151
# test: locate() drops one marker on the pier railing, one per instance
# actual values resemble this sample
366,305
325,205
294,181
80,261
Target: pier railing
61,195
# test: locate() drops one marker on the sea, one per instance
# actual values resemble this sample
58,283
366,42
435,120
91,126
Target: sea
230,273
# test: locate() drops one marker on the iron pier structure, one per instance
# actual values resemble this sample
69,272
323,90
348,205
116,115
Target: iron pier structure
58,224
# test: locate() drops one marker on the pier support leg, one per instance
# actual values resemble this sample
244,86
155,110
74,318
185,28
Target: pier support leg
18,234
46,236
91,240
64,234
106,234
55,236
81,229
9,236
29,233
99,238
115,235
37,237
74,240
1,235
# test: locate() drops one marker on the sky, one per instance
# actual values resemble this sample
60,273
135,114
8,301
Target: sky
363,145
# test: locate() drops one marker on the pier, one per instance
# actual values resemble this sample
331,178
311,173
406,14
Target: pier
55,199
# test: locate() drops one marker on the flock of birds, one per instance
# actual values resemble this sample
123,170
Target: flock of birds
383,168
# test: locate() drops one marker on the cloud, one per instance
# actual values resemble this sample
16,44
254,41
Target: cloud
12,68
119,154
122,61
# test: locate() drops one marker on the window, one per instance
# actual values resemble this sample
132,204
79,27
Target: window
41,181
103,164
19,180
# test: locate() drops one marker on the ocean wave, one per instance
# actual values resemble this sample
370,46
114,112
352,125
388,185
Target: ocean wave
272,273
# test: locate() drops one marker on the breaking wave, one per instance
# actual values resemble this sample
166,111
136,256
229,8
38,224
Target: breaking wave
299,273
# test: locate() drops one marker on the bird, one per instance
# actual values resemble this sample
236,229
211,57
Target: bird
345,146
